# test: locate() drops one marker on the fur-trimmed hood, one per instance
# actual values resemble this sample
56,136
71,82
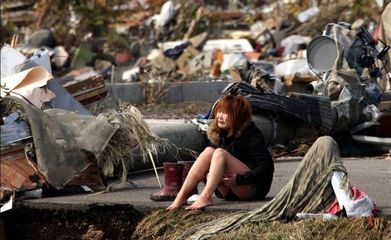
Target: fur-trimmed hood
213,131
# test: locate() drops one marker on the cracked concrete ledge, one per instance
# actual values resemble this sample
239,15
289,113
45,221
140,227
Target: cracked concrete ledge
205,91
369,175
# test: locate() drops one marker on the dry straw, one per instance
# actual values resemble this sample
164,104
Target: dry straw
133,138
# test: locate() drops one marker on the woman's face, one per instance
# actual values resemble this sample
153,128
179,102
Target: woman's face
222,120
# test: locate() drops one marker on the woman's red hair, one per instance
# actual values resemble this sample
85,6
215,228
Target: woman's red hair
238,109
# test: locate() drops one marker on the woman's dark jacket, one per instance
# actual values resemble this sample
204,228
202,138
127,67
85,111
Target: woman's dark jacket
249,147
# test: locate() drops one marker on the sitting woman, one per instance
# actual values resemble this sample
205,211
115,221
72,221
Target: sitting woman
237,164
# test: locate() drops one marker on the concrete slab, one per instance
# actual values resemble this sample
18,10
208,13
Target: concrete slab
205,91
368,174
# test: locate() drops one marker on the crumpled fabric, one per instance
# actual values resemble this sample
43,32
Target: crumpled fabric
62,140
309,190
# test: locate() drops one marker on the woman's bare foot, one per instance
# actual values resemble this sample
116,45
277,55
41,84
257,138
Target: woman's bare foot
201,202
177,204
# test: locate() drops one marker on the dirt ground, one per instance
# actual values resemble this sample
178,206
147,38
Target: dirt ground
114,222
183,110
100,222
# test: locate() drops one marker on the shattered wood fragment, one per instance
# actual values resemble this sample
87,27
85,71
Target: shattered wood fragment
15,5
90,83
89,176
201,12
89,90
18,172
235,74
134,20
298,78
20,17
184,60
91,95
228,15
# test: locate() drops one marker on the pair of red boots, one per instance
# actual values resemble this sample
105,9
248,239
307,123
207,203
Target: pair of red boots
174,176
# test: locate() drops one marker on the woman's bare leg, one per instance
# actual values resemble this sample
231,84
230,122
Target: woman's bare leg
222,162
196,174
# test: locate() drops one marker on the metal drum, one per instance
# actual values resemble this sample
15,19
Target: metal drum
321,54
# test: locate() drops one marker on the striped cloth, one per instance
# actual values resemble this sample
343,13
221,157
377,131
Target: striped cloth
309,190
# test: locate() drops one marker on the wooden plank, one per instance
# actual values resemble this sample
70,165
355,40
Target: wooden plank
17,5
19,172
226,15
92,96
90,83
89,177
90,93
14,152
11,178
21,16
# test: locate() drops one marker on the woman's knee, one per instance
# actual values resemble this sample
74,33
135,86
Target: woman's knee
206,155
220,154
209,150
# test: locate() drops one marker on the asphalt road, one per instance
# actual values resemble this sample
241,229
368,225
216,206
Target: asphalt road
368,174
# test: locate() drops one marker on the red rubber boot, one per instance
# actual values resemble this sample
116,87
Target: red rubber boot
172,183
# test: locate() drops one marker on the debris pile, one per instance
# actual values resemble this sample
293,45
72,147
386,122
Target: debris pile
303,68
51,142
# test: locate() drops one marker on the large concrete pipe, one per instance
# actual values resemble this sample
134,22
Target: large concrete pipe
186,136
188,140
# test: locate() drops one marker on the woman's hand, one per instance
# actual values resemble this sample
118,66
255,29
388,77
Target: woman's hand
229,180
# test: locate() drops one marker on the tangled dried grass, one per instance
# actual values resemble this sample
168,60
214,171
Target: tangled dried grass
163,224
133,137
363,228
156,89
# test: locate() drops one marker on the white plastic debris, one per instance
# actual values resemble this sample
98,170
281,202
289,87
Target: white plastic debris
60,56
309,12
192,198
354,207
292,42
229,45
131,75
324,216
86,188
232,60
293,66
8,205
343,197
10,59
167,12
42,58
